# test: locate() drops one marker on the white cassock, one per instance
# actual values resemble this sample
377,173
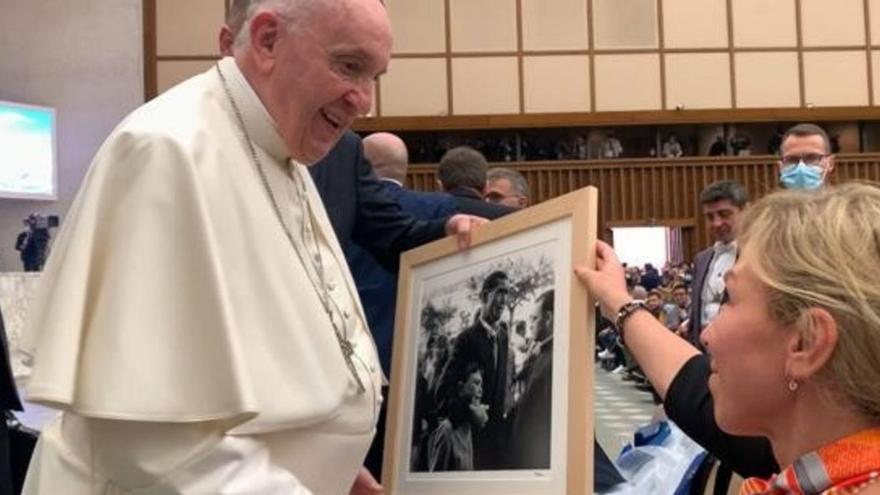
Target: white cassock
178,329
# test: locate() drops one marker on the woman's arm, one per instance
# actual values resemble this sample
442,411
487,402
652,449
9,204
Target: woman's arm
659,352
677,370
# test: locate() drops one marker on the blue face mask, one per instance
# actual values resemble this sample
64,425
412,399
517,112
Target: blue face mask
801,176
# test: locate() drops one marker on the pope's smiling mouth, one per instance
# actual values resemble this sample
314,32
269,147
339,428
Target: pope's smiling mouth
335,122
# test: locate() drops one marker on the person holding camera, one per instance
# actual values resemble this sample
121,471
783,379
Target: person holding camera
33,243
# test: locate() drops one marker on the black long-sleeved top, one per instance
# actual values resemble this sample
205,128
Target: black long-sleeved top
689,404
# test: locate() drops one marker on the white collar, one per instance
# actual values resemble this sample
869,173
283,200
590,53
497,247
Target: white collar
493,332
260,126
720,248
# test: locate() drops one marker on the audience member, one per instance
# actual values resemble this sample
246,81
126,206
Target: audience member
807,160
740,145
610,146
677,311
650,279
723,203
719,147
654,303
794,354
507,187
672,148
462,173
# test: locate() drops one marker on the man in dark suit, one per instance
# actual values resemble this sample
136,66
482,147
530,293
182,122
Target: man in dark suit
361,211
486,343
462,173
377,286
723,203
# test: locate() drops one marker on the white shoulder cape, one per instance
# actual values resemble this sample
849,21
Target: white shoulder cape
172,293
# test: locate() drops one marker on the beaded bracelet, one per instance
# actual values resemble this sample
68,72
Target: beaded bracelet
625,312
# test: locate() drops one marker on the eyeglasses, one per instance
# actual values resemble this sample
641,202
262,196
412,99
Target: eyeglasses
497,197
814,159
494,197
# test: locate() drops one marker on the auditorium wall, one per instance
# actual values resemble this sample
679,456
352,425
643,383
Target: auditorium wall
464,58
83,57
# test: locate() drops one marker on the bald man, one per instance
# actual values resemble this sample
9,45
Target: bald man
377,286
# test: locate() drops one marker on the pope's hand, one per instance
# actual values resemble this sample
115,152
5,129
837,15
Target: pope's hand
365,484
461,226
607,282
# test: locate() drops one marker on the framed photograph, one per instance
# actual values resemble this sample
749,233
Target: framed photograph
491,384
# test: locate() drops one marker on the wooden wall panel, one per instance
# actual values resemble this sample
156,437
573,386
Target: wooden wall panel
656,191
444,31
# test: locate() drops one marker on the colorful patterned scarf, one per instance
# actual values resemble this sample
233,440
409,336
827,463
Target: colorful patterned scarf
846,464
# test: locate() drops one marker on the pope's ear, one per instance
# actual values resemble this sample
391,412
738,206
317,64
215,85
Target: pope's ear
225,40
266,29
812,344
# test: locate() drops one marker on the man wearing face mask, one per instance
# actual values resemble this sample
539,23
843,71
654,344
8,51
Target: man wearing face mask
806,160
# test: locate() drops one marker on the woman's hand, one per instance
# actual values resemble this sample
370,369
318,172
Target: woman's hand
607,282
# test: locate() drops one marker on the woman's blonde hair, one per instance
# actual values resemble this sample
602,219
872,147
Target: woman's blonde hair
822,249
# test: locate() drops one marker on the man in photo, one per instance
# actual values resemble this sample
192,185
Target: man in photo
485,342
530,439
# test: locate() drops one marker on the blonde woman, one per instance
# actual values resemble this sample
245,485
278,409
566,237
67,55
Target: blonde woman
794,355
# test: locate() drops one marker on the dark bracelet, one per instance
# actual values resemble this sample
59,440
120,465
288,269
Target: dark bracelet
625,312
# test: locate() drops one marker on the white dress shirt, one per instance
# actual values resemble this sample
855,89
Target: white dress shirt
713,284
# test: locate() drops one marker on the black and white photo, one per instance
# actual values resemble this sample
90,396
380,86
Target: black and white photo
490,375
485,367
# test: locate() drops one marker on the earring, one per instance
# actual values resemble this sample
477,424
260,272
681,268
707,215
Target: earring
793,385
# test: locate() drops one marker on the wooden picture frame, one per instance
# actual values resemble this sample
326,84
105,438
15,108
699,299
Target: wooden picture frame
464,416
